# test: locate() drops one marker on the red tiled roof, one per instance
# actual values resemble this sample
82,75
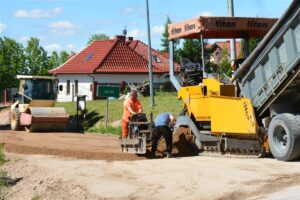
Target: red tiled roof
114,56
78,63
226,46
163,63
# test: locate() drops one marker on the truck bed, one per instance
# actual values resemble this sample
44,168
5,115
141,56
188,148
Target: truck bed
270,76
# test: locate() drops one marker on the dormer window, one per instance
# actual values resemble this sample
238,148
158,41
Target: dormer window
156,58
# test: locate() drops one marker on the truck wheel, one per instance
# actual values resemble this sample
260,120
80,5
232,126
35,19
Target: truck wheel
15,120
284,137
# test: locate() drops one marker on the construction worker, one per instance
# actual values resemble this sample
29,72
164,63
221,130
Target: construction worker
162,128
131,106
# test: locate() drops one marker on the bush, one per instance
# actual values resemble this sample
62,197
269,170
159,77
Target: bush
166,87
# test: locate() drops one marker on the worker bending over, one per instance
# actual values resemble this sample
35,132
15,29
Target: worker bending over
162,128
131,106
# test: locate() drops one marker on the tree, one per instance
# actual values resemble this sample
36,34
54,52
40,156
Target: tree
36,58
165,40
165,36
54,60
12,62
97,37
192,50
252,45
63,57
225,63
57,59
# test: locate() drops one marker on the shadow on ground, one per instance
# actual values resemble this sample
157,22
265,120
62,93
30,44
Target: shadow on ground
80,123
5,127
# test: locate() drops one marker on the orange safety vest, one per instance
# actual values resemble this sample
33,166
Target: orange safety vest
135,106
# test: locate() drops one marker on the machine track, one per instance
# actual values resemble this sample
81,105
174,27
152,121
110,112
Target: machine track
228,155
230,146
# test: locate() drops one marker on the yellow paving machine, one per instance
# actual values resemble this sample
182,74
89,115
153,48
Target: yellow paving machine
265,116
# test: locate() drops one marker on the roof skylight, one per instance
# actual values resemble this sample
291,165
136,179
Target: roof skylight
89,57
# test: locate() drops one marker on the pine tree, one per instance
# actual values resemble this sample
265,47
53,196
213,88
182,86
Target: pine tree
165,41
165,36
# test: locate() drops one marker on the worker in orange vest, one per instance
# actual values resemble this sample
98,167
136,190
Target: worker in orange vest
131,106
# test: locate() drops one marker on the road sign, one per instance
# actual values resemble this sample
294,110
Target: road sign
108,91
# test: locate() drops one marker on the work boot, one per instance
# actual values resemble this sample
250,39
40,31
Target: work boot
169,155
153,151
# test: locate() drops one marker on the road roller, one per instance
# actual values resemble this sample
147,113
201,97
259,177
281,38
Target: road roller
34,108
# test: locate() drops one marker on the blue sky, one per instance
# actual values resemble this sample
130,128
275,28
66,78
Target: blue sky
67,24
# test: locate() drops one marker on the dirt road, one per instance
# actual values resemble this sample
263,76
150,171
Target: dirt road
109,174
76,145
179,178
83,146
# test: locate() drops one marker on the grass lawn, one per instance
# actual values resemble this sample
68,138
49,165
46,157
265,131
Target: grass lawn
164,102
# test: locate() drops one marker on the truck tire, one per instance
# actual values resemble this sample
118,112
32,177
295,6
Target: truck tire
15,120
284,137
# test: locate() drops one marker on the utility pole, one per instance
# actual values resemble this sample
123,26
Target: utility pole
149,57
232,41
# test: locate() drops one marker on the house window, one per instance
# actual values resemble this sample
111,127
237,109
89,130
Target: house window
156,58
76,87
68,87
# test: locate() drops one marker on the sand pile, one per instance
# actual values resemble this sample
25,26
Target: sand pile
181,144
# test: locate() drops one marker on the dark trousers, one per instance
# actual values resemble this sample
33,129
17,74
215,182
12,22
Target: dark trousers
157,133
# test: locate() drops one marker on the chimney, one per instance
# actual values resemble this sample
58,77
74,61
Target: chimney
121,38
130,39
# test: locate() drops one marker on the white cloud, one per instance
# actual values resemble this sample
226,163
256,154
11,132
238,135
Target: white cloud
101,31
105,22
62,32
132,23
158,30
70,47
128,10
58,47
53,47
24,38
62,28
206,13
2,27
37,13
57,11
62,25
131,10
136,33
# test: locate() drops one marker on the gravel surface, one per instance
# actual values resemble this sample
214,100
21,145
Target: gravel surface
177,178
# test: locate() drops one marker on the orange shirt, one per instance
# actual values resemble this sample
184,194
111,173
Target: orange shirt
135,106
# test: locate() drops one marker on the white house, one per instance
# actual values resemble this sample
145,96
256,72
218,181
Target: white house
111,62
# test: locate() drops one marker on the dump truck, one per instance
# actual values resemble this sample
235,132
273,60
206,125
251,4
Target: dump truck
270,77
264,117
34,109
